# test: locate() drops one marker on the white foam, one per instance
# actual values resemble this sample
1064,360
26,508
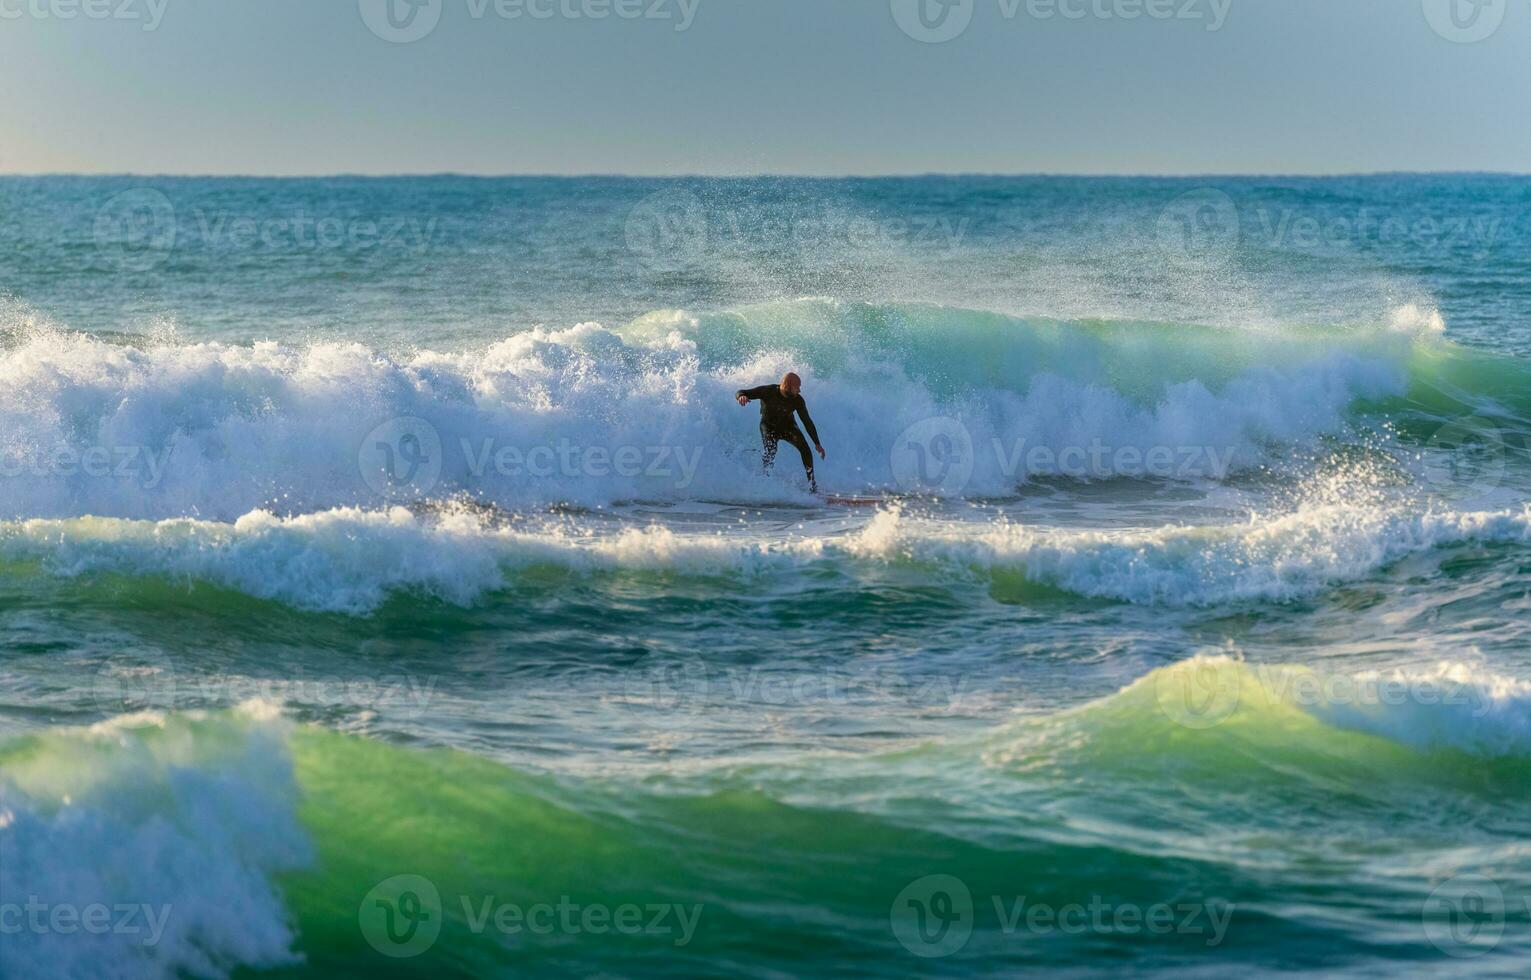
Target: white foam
1449,704
341,560
175,831
350,560
1269,558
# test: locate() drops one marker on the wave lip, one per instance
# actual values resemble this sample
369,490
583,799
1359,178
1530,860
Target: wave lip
1448,705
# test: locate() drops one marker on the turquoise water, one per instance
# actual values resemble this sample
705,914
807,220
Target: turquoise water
388,586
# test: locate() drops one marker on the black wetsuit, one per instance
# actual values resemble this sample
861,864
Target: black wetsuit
777,425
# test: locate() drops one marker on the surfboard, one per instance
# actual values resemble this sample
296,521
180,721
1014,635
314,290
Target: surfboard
843,501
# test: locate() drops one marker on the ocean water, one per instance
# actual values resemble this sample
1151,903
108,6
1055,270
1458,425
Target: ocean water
389,586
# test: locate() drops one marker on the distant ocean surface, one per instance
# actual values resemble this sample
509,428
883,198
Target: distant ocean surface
389,585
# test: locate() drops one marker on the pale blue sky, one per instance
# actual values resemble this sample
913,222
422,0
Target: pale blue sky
751,86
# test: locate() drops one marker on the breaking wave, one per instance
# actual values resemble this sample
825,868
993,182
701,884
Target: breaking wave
589,415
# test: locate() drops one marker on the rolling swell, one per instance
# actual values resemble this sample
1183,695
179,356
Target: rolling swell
1278,771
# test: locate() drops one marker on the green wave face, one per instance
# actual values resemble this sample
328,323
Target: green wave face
1272,810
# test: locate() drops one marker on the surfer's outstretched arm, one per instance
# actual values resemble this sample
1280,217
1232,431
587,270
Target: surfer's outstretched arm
746,395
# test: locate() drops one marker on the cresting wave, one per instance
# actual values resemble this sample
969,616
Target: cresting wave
351,561
161,837
1429,707
93,815
166,429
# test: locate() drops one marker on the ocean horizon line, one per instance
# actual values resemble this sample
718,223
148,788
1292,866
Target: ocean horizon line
770,175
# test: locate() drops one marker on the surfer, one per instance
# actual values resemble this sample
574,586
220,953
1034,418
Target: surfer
777,403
